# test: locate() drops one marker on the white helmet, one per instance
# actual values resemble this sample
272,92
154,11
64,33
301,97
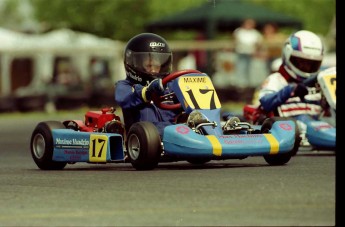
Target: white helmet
302,55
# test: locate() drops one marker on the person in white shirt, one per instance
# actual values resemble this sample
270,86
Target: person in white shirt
247,41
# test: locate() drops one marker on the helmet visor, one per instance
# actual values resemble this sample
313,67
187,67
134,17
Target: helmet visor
152,63
306,65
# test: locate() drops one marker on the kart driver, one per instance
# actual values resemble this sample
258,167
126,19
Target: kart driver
283,92
147,60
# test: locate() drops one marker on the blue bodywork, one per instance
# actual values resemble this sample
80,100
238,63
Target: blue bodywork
75,146
320,134
182,141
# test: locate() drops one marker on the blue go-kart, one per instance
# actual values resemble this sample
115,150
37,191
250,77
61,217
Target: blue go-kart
198,136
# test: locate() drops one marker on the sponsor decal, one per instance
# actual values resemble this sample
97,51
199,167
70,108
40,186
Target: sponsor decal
237,139
75,155
312,48
75,152
134,77
194,80
182,129
157,44
71,143
241,136
320,125
233,141
285,126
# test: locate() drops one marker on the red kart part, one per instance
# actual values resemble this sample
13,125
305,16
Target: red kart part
96,120
254,114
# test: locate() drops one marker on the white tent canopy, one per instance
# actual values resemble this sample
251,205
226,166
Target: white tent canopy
64,39
44,47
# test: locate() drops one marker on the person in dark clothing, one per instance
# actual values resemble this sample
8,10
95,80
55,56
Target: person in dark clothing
147,60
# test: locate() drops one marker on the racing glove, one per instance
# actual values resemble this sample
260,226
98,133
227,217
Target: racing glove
154,88
300,91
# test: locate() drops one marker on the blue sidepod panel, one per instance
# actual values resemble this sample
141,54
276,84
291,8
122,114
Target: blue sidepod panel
321,134
181,141
75,146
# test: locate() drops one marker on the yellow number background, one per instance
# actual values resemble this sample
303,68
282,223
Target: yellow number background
331,87
100,145
203,100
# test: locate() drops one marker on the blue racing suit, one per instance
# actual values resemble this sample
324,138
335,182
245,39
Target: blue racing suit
134,108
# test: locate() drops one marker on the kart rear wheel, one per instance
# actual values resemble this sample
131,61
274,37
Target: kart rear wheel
42,145
144,146
276,159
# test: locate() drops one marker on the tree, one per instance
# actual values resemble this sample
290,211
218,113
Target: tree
317,15
114,19
120,19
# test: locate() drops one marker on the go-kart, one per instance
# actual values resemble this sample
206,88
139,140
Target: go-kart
321,132
198,137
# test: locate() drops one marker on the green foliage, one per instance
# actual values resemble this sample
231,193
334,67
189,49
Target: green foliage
8,13
121,19
316,15
99,17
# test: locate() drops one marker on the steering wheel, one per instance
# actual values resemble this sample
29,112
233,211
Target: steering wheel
158,100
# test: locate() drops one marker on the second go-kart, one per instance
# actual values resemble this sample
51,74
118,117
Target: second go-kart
199,137
321,132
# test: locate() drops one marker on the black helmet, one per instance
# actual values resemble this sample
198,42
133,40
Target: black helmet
147,57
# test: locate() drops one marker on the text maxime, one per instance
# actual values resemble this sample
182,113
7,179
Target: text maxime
194,80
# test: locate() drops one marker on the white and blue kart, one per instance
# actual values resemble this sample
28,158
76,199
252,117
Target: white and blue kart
201,137
318,133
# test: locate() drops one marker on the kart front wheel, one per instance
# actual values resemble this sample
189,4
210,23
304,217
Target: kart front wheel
276,159
42,145
297,133
144,146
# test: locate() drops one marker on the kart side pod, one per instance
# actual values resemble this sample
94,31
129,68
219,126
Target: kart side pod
73,146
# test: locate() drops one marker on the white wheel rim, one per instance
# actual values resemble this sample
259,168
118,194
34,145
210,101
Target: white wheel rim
38,146
133,147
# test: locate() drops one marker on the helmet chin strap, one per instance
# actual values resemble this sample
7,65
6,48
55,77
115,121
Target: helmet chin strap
284,72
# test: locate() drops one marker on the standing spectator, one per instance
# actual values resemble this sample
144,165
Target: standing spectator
200,55
272,44
188,61
247,41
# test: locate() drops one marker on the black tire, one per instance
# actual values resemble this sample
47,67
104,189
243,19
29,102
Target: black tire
297,137
42,145
277,159
144,146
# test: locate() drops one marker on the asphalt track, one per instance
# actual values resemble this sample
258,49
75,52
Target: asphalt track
222,193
